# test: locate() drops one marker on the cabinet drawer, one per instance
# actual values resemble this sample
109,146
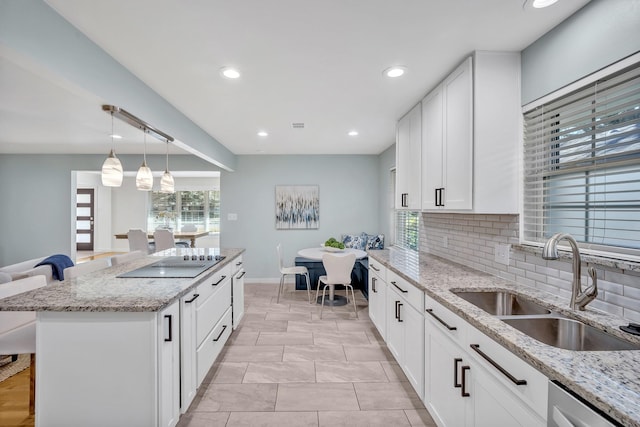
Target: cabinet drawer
413,295
211,284
508,368
377,269
236,264
212,309
445,320
212,345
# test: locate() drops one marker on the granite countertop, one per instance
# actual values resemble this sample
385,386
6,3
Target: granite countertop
103,291
610,380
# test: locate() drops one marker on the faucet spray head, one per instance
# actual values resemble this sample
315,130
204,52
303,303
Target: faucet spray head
550,250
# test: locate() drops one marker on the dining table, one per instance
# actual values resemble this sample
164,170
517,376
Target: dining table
191,235
316,254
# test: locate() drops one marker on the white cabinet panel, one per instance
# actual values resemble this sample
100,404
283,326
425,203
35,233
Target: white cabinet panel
188,345
408,169
212,344
169,365
377,298
237,292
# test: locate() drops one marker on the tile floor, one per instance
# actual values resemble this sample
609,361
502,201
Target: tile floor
284,366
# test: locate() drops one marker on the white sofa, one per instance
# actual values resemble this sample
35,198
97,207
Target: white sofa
25,269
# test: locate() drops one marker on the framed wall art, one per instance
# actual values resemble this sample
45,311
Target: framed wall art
297,207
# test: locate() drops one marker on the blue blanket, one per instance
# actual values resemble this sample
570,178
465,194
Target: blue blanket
58,263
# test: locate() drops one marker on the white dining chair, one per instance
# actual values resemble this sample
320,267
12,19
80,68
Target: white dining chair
128,257
286,271
138,240
86,268
338,268
164,239
18,328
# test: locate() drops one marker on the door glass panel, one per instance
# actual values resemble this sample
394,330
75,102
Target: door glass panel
83,225
83,211
83,198
83,238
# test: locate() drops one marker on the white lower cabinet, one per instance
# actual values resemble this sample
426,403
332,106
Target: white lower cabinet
237,292
472,381
405,329
188,344
169,365
378,297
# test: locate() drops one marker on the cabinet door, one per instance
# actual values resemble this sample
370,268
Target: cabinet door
169,365
432,139
395,330
238,297
413,363
458,138
377,303
408,170
188,345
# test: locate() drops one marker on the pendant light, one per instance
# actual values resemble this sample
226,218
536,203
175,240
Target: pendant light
166,183
144,178
112,168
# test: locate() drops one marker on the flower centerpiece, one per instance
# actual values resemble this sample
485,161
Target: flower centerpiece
169,218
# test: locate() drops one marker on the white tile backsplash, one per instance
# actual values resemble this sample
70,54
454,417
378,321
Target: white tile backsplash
471,240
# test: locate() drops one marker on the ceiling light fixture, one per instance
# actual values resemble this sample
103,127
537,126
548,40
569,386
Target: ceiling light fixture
395,71
539,4
263,133
230,73
353,133
167,185
144,178
112,168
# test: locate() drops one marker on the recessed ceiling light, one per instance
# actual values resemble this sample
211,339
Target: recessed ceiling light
262,133
538,4
353,133
230,73
395,71
114,136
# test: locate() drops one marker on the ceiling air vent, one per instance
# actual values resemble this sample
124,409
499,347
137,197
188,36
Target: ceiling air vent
298,125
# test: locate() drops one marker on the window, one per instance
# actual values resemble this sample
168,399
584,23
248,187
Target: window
199,208
582,165
407,234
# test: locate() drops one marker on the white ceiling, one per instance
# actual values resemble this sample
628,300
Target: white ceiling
317,62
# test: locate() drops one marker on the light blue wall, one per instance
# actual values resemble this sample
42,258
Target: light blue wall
601,33
349,203
386,161
35,190
33,29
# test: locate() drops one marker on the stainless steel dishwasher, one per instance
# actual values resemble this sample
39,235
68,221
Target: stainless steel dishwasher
567,410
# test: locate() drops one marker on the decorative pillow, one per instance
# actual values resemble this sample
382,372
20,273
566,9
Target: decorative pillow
355,241
5,277
375,241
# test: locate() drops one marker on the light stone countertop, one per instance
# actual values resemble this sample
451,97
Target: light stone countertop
103,291
610,380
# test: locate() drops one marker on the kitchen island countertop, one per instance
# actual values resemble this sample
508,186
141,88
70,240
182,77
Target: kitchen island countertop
610,380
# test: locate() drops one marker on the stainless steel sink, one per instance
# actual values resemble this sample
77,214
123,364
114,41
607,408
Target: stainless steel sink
569,334
502,303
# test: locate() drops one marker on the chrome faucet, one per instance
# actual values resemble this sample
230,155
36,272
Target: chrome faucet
579,299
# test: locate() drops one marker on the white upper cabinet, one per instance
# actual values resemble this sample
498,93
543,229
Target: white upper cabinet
408,169
471,133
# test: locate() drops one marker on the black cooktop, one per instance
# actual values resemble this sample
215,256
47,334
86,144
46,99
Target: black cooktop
175,267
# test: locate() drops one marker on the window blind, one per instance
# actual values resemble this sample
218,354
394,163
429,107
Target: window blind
407,230
582,165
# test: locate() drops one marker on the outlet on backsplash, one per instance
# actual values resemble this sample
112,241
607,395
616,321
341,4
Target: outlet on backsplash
502,254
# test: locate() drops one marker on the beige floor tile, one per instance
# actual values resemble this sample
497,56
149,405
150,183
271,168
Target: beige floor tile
204,419
249,353
350,372
238,397
419,418
316,397
316,325
367,352
241,337
380,396
396,418
394,372
265,325
356,325
285,338
304,316
255,316
339,338
280,372
273,419
299,353
227,373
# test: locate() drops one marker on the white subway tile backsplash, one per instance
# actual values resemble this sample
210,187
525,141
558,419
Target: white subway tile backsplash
472,239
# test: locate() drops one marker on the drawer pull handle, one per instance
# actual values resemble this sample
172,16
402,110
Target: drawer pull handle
374,267
476,348
219,281
401,290
464,392
399,305
240,276
456,383
170,317
189,301
373,285
446,325
238,264
224,327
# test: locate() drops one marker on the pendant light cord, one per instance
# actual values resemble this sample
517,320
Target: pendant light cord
167,166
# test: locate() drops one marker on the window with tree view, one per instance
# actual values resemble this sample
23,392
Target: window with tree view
582,165
185,208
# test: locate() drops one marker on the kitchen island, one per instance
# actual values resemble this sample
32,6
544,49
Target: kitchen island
127,351
609,380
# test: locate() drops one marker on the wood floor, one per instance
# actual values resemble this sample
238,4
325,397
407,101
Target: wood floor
14,401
